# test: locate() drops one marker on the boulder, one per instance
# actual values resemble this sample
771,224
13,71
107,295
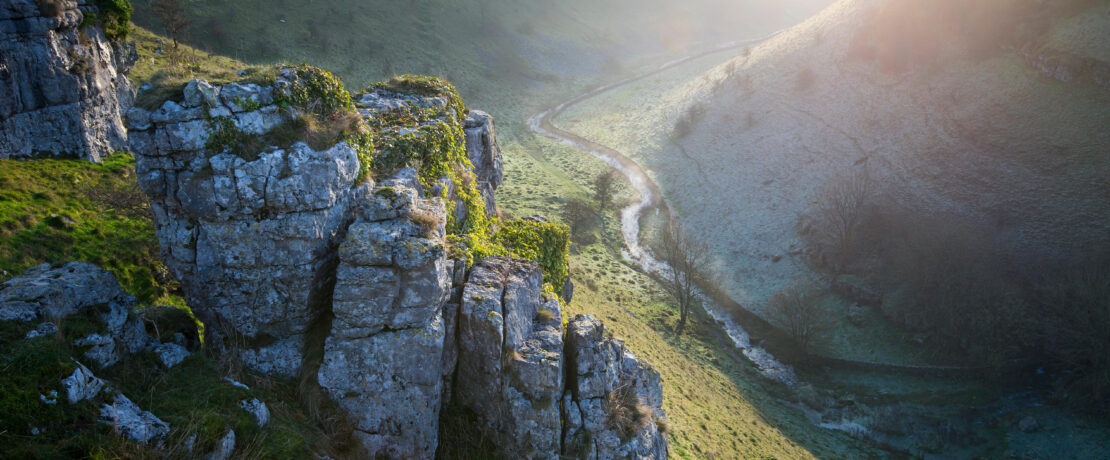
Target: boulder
63,87
258,409
80,291
81,385
130,421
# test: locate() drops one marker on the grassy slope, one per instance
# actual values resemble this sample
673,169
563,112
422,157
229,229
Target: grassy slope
757,116
55,211
717,408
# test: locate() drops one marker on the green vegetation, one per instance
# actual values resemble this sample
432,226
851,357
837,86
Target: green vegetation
55,211
114,16
168,72
192,397
541,241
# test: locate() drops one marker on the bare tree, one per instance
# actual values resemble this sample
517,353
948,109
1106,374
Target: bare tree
830,229
684,257
603,190
797,308
174,18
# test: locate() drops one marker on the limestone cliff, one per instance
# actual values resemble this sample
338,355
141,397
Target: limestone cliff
385,291
63,87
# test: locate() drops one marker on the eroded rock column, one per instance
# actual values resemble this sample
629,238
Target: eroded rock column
510,362
382,359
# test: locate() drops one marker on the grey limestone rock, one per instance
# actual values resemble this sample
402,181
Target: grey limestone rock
129,420
251,238
170,354
63,88
81,385
258,409
607,377
391,284
224,449
484,154
52,293
510,357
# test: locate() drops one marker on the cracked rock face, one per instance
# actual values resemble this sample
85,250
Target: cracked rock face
484,154
62,89
510,361
251,240
381,359
255,241
268,246
606,379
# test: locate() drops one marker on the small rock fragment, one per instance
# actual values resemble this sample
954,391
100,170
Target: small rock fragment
258,409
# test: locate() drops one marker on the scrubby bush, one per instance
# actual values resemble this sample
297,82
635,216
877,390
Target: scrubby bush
942,273
797,309
625,412
544,242
831,228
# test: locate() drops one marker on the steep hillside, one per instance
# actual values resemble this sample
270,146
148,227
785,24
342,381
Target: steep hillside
1002,132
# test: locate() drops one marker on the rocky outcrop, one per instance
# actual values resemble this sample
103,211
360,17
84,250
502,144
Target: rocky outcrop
297,255
545,392
484,154
63,87
252,240
51,294
387,327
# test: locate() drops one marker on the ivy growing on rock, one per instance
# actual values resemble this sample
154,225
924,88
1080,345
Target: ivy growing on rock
541,241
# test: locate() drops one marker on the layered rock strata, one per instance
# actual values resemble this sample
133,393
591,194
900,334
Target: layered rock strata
63,87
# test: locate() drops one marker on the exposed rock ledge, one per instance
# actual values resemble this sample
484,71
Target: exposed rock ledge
62,88
297,256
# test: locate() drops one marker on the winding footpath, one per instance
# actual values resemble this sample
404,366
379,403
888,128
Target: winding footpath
651,197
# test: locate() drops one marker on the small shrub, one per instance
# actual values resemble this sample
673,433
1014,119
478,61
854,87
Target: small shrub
688,120
625,412
50,8
544,315
114,16
541,241
798,310
426,220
